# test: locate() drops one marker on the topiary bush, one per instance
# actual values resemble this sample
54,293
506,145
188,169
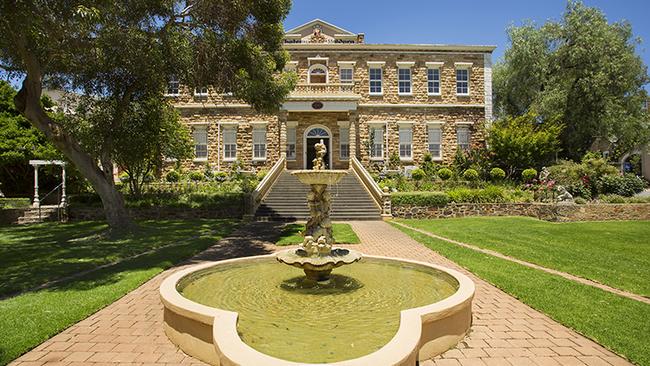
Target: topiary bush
580,201
173,176
418,174
196,176
623,185
497,174
420,198
445,173
528,174
470,175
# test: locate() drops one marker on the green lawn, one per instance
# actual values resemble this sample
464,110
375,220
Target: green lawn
32,317
618,323
616,253
343,234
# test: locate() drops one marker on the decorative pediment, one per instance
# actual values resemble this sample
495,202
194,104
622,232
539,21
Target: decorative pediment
320,31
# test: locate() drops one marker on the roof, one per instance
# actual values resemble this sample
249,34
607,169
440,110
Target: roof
313,22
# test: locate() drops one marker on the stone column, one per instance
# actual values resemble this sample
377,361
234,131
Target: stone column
282,119
63,198
37,202
353,134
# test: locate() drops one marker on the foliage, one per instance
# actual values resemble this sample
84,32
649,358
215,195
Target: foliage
173,176
580,200
623,185
586,173
489,194
292,234
445,173
14,202
429,166
581,71
497,174
521,142
611,198
122,54
196,176
417,175
528,174
470,175
420,198
393,161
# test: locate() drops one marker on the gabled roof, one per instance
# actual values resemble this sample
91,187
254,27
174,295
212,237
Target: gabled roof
310,24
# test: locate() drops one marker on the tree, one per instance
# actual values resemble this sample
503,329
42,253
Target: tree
521,142
150,133
19,143
124,52
582,71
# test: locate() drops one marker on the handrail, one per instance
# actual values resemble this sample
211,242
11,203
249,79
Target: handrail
266,183
381,198
58,204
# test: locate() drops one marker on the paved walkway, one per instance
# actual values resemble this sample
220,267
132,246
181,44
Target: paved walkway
505,331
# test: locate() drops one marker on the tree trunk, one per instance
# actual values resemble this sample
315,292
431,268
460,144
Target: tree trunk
28,104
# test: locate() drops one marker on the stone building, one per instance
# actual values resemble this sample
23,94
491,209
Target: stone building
369,101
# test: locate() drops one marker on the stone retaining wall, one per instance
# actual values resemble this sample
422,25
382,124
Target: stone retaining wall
543,211
9,216
160,213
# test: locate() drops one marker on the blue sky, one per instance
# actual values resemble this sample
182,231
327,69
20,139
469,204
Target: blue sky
464,22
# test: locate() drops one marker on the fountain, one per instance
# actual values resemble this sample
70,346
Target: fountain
315,256
254,311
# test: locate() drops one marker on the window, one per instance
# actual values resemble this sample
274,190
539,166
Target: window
377,143
259,143
375,80
173,86
291,143
404,81
463,138
434,140
201,91
318,74
230,143
346,75
462,81
433,81
344,146
405,142
200,135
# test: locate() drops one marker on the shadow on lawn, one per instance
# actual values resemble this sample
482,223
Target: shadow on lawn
42,253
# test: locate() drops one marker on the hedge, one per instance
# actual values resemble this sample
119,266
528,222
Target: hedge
420,198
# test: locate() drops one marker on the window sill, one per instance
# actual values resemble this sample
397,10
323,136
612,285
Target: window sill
291,159
377,159
376,94
171,95
229,159
405,94
462,95
343,159
259,159
200,95
434,94
406,159
200,160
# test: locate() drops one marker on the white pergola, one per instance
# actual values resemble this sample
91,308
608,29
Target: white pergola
38,163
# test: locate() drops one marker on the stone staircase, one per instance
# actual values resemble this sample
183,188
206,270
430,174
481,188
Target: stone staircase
31,216
287,201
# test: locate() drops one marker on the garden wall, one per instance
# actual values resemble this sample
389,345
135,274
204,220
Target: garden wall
543,211
165,213
10,216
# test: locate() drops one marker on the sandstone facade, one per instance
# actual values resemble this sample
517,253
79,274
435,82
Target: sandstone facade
323,100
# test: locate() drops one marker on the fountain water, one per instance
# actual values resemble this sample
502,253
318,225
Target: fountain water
315,256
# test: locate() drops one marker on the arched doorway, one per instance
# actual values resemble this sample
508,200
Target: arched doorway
317,74
313,135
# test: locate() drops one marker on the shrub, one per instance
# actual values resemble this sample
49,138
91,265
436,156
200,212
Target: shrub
580,201
196,176
173,176
417,174
579,190
420,198
445,173
497,174
612,198
261,174
124,177
489,194
623,185
528,174
470,175
220,176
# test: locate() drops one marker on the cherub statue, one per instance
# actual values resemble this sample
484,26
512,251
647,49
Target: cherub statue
544,174
321,150
323,247
563,194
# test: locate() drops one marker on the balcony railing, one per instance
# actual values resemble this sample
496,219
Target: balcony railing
325,89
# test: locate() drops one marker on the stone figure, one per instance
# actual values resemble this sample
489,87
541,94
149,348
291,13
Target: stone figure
321,150
563,194
544,174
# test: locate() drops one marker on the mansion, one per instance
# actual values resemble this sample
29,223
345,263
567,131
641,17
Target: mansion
372,102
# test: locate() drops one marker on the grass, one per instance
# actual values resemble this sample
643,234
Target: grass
616,253
14,203
30,318
618,323
292,234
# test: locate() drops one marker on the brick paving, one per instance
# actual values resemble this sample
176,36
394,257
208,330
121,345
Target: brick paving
505,331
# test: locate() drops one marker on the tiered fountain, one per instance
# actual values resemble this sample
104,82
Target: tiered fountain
315,255
254,311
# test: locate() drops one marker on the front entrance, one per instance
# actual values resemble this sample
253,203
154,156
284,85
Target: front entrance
314,135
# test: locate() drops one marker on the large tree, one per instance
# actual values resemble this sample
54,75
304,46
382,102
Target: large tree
582,71
124,52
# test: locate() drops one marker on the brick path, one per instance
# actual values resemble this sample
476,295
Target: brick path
505,331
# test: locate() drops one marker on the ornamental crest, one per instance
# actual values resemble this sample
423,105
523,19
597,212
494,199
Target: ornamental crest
317,36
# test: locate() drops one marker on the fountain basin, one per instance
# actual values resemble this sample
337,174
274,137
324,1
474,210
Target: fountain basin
214,335
319,177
